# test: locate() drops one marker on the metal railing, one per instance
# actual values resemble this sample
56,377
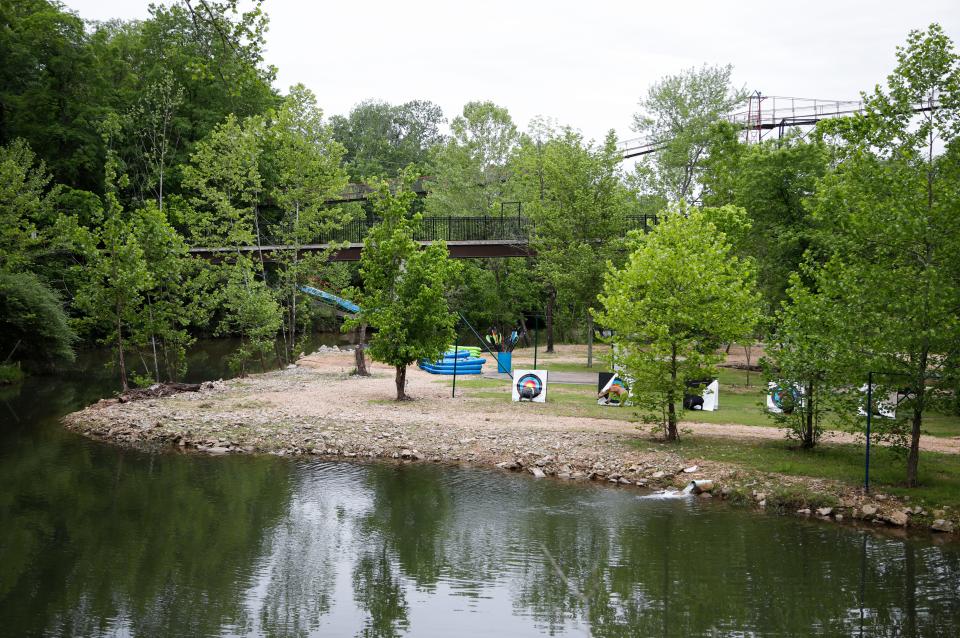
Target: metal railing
482,228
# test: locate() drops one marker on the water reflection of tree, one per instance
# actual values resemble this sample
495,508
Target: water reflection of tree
93,535
661,571
411,507
379,592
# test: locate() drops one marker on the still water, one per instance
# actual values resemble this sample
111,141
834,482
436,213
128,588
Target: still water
99,541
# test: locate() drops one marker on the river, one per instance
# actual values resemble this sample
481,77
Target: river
100,541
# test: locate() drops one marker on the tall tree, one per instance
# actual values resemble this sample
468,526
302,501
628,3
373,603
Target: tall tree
575,198
676,117
891,235
303,167
404,294
774,182
381,139
472,167
681,294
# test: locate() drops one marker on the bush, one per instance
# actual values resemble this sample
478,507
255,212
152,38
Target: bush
10,373
34,329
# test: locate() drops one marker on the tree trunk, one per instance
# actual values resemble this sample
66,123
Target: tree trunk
808,438
551,302
122,362
401,383
913,458
589,339
672,434
360,335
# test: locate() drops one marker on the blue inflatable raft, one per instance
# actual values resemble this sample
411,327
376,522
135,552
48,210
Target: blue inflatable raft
449,365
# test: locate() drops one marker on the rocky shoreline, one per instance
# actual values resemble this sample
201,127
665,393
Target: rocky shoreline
318,409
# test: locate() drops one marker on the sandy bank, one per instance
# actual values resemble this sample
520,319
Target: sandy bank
318,408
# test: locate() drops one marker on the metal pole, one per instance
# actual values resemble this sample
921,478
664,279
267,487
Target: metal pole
866,469
456,349
536,335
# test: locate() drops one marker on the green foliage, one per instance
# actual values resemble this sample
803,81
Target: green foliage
381,139
472,167
679,296
891,237
799,357
250,312
224,175
302,167
678,115
26,205
33,326
404,289
773,182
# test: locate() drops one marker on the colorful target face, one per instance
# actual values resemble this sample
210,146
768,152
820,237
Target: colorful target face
530,385
783,398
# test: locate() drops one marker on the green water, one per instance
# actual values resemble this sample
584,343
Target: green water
97,541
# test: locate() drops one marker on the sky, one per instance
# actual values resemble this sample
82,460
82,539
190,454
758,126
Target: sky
586,63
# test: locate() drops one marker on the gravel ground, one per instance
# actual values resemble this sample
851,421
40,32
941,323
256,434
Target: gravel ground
317,408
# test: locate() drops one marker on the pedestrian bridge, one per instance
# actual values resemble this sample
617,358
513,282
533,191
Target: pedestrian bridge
466,238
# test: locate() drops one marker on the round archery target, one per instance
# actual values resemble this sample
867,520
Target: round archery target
532,384
784,399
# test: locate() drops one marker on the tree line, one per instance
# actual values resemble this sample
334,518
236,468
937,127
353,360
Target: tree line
123,143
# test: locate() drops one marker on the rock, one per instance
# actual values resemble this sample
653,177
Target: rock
658,475
624,481
805,511
691,469
217,450
759,496
838,517
942,525
537,472
881,497
762,503
564,475
824,511
898,518
508,465
868,510
726,491
706,495
701,486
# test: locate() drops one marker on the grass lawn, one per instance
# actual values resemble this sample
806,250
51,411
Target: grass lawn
939,473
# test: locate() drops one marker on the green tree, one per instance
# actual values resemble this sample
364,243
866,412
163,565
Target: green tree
577,201
677,116
797,359
26,205
472,167
774,182
34,329
381,139
303,169
890,232
114,280
679,296
404,288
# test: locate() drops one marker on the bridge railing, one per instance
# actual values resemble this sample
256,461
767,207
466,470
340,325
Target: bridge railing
479,228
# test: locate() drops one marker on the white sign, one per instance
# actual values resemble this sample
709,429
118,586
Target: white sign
530,385
887,408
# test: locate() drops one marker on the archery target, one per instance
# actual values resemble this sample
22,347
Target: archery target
530,385
783,397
